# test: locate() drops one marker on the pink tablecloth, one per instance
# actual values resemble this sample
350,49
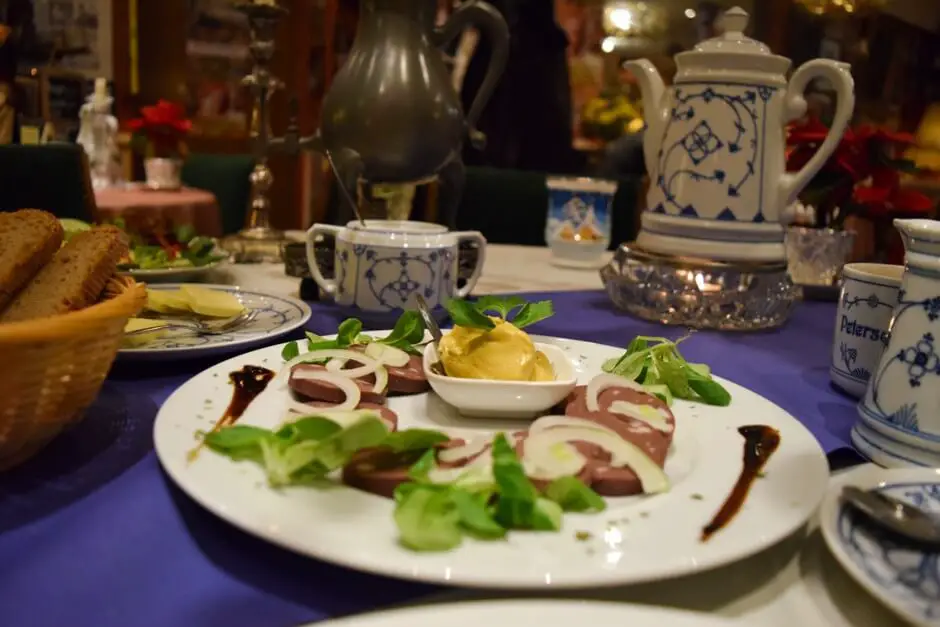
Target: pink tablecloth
147,211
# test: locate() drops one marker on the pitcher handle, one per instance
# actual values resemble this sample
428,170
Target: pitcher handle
838,74
472,236
490,21
317,229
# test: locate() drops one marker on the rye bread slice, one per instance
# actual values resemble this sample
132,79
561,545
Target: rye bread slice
28,240
74,279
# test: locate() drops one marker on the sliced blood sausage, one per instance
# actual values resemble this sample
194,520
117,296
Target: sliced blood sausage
607,480
387,415
379,471
317,390
407,379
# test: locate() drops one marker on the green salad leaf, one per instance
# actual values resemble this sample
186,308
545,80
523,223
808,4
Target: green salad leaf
475,315
407,335
464,314
657,364
436,517
307,449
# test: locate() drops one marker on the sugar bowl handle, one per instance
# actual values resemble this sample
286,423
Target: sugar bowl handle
472,236
839,75
320,229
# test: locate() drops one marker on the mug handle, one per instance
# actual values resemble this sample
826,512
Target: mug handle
327,286
472,236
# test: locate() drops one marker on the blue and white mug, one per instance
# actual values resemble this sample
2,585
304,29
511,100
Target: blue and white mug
863,322
381,266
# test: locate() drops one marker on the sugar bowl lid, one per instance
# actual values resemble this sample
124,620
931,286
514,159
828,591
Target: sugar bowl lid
733,39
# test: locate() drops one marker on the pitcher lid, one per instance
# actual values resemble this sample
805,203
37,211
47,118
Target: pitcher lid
734,21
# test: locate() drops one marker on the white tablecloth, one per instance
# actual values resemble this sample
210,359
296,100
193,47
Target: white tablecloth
797,583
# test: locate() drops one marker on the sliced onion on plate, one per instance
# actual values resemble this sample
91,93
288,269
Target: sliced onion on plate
653,416
554,421
552,462
604,381
347,385
368,364
468,449
387,355
623,453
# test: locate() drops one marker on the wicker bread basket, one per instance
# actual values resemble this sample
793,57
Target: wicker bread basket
52,369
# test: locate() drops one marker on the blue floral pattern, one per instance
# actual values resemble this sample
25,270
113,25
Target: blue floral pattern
388,278
694,155
920,361
908,575
849,355
871,300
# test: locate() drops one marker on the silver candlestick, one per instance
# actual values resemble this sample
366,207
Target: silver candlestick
259,241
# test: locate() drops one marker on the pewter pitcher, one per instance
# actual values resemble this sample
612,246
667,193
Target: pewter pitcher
392,112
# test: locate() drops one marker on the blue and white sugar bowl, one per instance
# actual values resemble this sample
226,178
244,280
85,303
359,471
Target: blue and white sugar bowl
899,418
714,146
381,266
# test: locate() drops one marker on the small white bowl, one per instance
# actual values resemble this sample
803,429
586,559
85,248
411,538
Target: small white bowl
483,398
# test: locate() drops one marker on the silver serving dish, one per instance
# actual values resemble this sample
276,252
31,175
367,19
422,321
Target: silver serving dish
699,293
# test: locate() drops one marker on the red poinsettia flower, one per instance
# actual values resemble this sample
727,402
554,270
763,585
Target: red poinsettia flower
164,125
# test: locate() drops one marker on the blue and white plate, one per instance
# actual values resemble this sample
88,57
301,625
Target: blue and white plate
905,578
276,316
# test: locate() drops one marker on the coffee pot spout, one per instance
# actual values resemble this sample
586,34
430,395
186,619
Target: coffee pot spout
652,90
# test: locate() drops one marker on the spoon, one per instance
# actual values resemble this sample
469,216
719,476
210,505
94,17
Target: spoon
345,193
431,324
904,519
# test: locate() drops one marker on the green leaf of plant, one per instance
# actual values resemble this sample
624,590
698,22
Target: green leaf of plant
234,437
290,351
427,519
347,332
474,516
420,469
532,313
408,331
517,496
413,440
573,496
464,314
500,305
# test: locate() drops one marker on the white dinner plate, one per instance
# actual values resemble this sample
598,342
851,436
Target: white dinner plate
636,539
276,316
545,613
905,579
174,275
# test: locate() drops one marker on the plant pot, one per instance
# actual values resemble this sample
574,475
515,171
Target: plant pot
816,256
163,174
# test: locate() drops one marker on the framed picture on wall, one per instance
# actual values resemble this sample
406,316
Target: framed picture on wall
78,33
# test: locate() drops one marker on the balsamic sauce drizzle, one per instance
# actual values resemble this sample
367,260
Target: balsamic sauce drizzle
760,442
247,384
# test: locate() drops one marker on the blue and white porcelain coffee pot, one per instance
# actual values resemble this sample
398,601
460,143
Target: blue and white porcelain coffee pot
715,141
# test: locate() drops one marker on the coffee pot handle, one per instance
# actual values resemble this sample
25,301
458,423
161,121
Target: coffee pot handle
493,26
840,76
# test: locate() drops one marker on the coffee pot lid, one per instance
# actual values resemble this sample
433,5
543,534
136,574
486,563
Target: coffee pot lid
734,21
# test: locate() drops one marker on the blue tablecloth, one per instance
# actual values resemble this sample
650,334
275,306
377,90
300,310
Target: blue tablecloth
93,534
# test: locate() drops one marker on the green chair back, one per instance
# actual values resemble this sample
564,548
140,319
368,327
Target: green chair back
55,177
227,177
